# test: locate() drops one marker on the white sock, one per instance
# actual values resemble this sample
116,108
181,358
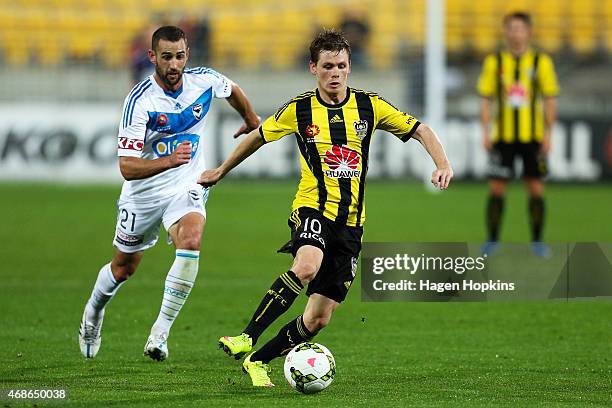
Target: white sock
105,288
178,285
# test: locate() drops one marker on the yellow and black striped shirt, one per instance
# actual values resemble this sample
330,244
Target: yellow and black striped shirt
334,143
518,84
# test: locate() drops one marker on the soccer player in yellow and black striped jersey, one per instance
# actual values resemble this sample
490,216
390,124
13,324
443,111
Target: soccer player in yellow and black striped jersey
333,126
522,82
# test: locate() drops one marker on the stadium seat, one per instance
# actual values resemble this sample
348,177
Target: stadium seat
17,54
485,37
455,41
286,50
582,26
514,5
383,49
47,49
256,35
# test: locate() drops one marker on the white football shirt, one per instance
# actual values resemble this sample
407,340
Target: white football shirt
155,122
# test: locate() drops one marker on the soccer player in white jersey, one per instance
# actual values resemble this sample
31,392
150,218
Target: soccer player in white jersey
161,158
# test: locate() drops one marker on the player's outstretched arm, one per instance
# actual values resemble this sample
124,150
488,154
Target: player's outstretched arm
442,176
247,147
239,101
135,168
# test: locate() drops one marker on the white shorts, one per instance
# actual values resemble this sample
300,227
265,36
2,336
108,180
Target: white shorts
138,223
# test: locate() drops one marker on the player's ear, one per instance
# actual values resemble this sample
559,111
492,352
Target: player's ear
313,68
152,56
187,53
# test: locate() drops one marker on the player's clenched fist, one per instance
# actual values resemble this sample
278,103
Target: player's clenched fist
181,155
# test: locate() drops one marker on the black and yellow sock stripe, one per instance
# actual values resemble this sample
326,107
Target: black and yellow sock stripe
277,300
292,282
304,332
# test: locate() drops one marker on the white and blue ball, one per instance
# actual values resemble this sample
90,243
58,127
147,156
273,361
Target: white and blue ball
310,368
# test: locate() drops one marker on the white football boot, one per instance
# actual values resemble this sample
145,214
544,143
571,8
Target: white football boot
90,336
157,347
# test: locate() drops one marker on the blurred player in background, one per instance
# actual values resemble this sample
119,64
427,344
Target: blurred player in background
333,125
521,81
161,158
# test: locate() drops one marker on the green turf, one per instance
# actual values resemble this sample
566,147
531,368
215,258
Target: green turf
55,238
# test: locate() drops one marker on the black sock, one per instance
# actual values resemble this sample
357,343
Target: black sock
495,209
536,217
277,300
292,334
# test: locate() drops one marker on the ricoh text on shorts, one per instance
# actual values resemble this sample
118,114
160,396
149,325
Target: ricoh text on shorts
341,245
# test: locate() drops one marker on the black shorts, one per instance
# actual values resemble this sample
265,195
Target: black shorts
502,155
340,244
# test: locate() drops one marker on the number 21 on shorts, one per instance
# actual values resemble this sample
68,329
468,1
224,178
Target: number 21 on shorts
127,219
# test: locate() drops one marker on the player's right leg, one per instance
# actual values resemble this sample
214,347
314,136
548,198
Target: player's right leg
110,278
317,315
137,229
277,300
308,240
535,169
495,210
501,167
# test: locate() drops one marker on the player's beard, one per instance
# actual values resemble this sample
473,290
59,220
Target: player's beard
164,76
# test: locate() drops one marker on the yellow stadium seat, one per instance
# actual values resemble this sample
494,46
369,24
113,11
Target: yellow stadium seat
607,8
582,8
582,26
515,5
284,57
583,39
383,51
225,36
48,49
485,42
82,46
16,51
267,33
34,21
9,19
324,14
455,41
549,40
607,39
115,55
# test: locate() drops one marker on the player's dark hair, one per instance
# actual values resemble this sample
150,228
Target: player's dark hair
328,40
518,15
168,33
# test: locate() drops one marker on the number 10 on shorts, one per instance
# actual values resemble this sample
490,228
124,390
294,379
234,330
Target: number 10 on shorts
312,230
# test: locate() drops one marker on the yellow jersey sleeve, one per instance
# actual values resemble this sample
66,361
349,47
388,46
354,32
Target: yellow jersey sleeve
282,123
487,82
391,119
547,77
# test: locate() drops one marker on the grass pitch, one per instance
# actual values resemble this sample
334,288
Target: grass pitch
55,238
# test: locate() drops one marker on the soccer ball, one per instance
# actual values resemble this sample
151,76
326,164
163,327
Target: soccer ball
310,368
